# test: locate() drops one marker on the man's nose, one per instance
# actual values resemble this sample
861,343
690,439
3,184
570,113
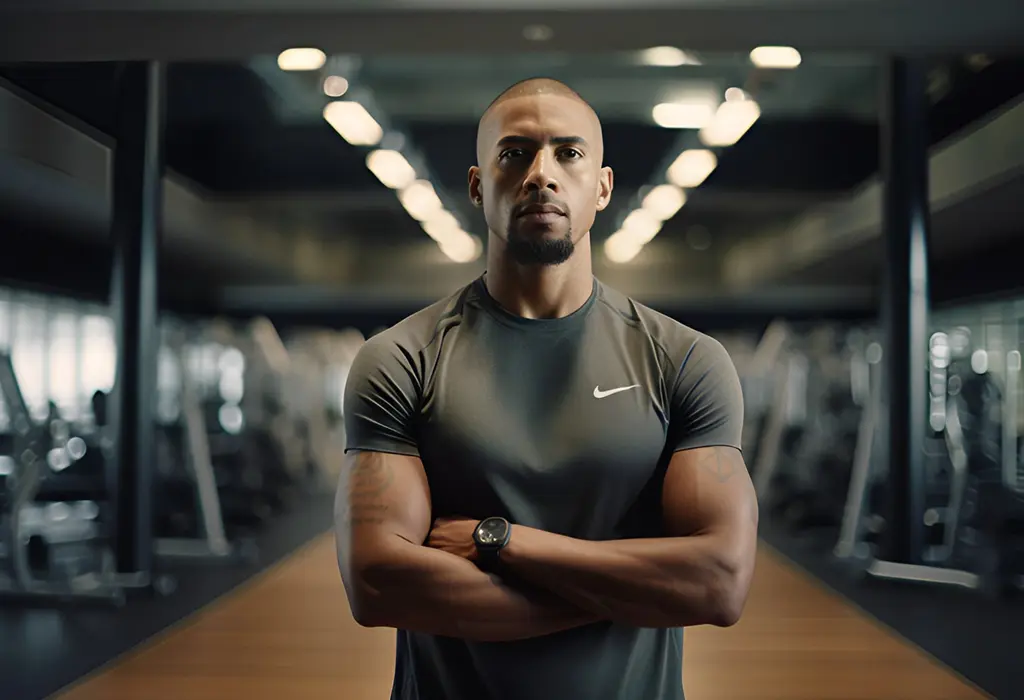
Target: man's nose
540,175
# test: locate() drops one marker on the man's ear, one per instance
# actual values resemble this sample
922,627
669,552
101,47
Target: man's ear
605,184
476,195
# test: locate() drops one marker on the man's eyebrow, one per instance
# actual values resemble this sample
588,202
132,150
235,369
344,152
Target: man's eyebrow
527,141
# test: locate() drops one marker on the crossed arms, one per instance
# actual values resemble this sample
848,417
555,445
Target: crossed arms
699,573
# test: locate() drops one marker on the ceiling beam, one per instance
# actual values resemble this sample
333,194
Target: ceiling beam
417,273
308,203
313,204
396,6
966,165
54,174
782,300
75,30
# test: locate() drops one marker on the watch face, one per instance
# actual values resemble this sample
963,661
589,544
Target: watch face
492,531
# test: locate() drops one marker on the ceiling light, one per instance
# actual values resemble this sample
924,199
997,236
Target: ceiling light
775,57
353,123
735,94
676,115
666,57
664,201
978,61
391,168
440,225
538,32
691,168
420,200
461,247
620,248
301,59
335,86
731,121
641,226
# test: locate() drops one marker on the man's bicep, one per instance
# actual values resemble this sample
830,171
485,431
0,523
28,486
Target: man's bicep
706,404
707,490
382,398
381,496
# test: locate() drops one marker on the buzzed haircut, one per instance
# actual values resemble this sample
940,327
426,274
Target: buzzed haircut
537,86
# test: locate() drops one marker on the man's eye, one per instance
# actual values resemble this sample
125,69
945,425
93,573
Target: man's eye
511,153
571,153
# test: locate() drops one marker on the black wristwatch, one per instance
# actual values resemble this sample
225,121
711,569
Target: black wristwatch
491,536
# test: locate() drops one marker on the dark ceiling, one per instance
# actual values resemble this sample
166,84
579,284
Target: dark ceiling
224,134
245,132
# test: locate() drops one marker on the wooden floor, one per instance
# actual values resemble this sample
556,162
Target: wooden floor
289,635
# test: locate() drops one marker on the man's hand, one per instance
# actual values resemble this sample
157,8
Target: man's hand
455,536
697,573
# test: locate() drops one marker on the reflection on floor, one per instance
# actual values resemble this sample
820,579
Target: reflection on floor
980,638
43,650
290,634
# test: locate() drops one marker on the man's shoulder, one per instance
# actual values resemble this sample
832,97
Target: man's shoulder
419,329
671,335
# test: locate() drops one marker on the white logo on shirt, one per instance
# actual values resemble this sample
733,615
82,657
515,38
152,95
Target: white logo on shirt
598,394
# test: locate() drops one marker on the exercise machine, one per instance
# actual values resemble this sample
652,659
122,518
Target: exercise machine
20,520
811,489
977,517
857,528
803,461
210,542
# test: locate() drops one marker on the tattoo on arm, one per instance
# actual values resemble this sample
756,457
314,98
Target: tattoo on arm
368,482
723,464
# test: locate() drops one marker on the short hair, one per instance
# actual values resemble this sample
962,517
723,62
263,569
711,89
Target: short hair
536,85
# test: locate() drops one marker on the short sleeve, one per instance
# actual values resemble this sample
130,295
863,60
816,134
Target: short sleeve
382,399
707,400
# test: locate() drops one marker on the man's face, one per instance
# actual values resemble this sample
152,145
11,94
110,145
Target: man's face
539,178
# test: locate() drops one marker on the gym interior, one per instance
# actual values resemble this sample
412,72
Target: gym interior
208,208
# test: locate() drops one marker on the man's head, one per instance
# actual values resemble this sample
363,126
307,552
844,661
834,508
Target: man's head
539,174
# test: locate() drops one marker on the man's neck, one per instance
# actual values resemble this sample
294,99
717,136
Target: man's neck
540,291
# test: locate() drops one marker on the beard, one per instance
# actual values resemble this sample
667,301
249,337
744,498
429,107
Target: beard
531,250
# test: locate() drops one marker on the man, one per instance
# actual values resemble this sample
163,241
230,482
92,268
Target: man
543,483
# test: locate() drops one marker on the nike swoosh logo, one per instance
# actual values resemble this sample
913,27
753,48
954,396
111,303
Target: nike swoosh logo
598,394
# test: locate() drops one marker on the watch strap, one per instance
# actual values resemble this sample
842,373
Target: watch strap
488,558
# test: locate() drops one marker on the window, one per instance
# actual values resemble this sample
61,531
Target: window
168,386
99,355
5,344
5,321
63,365
28,353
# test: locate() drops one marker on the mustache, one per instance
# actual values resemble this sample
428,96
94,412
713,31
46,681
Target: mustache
540,201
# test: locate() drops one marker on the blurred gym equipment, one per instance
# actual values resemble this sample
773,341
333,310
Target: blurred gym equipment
804,458
761,386
244,430
194,467
79,565
973,513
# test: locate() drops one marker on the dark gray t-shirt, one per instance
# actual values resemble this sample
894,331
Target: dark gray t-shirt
566,425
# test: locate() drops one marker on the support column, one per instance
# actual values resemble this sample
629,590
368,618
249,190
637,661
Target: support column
906,227
137,200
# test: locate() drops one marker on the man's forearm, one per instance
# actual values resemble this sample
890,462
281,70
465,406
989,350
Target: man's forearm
424,590
664,582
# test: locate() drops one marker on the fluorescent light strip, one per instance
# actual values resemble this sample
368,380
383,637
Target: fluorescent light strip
301,59
692,167
731,122
775,57
391,168
353,123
